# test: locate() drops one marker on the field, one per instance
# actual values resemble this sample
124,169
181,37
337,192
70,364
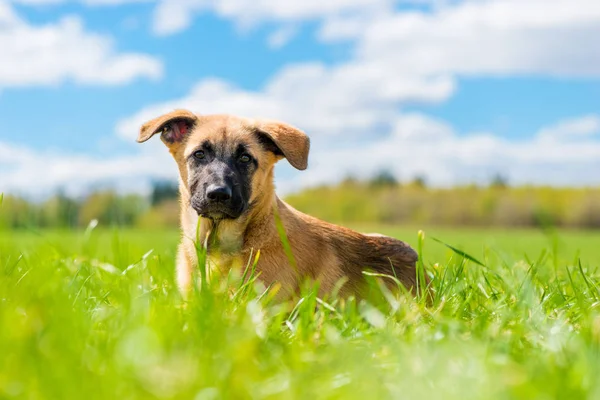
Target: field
95,314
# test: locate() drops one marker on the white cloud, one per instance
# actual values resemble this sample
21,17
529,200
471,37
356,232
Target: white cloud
87,2
477,37
7,16
573,129
334,101
172,16
472,37
282,36
39,173
113,2
37,2
51,54
491,37
419,145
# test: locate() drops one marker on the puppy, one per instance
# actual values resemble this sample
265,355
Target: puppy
228,202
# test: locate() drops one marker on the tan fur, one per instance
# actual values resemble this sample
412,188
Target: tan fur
321,251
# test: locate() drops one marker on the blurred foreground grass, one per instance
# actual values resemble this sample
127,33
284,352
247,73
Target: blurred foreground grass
97,315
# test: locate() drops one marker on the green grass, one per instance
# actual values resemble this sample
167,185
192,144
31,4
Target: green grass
95,315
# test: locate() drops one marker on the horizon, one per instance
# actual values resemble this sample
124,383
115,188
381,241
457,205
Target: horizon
400,183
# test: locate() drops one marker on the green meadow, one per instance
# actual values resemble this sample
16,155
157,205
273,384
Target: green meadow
95,314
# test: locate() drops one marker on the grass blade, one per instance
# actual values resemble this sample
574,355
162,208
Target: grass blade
460,252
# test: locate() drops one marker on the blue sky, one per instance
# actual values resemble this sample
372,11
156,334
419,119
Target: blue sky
454,90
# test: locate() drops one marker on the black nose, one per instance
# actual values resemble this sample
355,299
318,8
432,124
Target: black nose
218,193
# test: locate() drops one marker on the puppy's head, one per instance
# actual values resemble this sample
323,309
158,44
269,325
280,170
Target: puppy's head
226,162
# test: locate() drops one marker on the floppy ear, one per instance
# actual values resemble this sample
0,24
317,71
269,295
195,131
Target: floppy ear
173,127
285,141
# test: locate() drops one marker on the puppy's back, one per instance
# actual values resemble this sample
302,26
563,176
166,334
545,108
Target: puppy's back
379,254
345,252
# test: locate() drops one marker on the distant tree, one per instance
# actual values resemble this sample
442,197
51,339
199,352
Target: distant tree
60,211
499,181
129,208
111,209
162,191
349,180
18,213
100,206
67,210
419,181
383,178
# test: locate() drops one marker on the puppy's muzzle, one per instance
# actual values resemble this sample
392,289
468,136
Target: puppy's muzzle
218,201
218,193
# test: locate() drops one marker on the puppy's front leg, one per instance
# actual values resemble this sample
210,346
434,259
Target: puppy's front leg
187,256
186,263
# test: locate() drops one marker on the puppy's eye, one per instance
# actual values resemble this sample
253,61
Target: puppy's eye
199,154
245,158
166,129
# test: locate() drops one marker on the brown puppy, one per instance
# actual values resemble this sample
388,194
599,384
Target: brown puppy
226,186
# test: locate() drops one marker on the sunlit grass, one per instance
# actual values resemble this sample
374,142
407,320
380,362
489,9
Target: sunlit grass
98,315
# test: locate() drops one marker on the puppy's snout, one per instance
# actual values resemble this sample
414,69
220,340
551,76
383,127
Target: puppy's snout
218,193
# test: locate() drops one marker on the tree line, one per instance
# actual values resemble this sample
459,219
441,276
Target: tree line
380,199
